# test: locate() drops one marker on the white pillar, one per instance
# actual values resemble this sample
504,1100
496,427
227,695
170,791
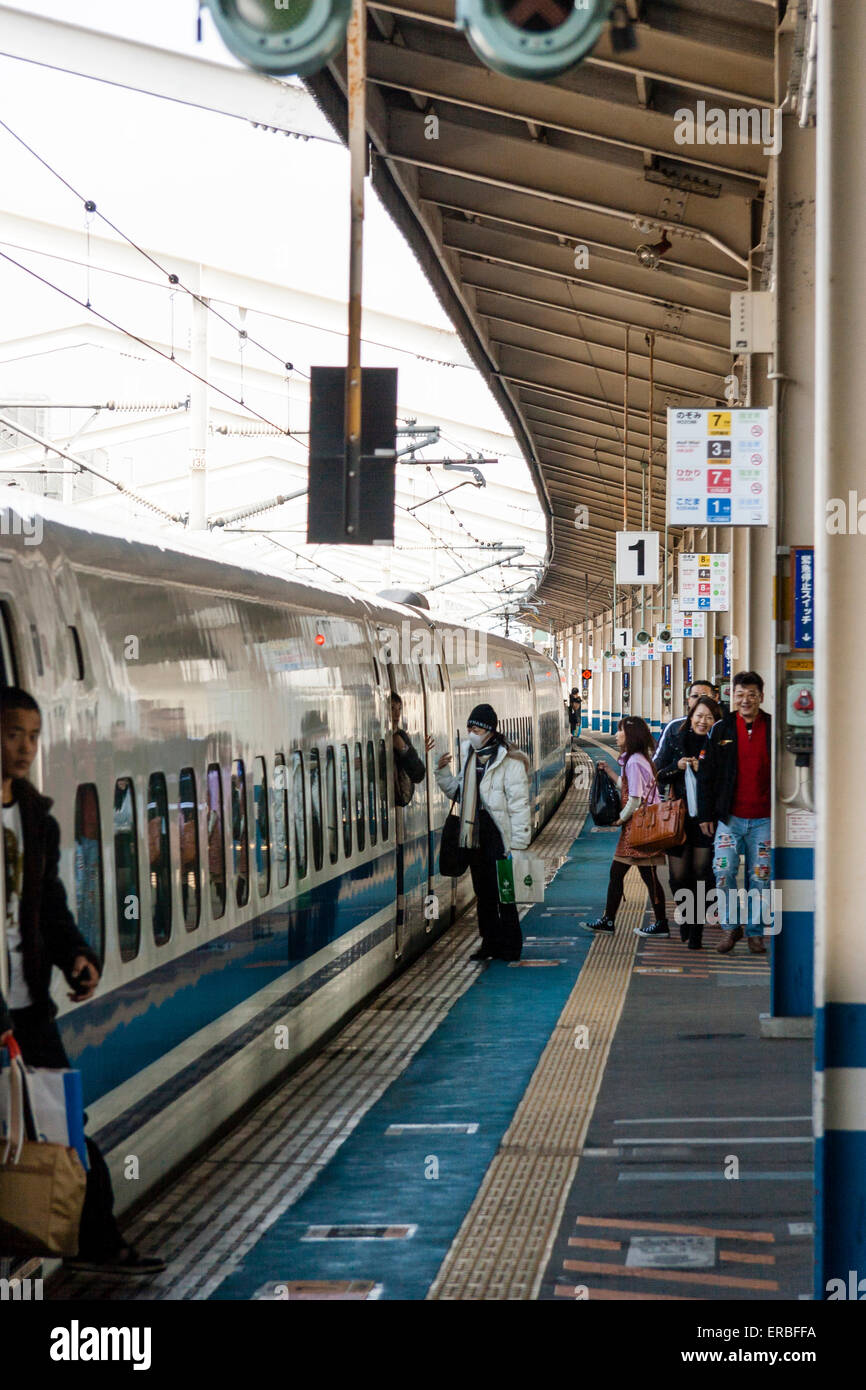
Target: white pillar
840,652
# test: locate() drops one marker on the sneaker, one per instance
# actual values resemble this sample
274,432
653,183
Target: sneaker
481,955
657,929
600,924
126,1263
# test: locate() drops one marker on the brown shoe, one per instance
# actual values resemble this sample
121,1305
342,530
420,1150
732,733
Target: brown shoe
729,940
756,946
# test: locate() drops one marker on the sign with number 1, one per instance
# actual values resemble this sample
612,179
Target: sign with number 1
637,557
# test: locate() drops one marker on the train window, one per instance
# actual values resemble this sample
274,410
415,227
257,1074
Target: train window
8,669
383,787
359,797
262,827
216,849
281,819
240,835
187,820
316,808
88,868
126,869
158,856
77,652
299,813
37,648
345,801
331,802
371,790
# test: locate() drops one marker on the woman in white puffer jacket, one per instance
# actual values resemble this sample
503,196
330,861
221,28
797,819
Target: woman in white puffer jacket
495,818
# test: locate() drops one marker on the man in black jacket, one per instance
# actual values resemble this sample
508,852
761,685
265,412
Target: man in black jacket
41,934
735,805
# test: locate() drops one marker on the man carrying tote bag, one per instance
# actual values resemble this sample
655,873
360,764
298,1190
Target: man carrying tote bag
42,1185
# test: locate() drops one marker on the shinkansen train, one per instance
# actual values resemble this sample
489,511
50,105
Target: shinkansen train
217,743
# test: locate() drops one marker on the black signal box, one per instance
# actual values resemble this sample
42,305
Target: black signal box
343,510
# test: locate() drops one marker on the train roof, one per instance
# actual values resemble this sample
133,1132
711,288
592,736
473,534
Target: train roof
181,560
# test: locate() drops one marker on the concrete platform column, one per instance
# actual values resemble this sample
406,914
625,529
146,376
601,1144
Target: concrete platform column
791,986
840,654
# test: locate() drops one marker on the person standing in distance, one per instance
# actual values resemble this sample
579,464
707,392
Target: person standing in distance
735,804
575,703
41,934
494,819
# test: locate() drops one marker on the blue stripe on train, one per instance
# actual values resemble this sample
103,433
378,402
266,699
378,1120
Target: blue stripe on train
121,1033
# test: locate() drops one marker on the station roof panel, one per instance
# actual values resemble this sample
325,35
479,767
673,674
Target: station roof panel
526,203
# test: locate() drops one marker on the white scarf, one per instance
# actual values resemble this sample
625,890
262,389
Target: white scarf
469,804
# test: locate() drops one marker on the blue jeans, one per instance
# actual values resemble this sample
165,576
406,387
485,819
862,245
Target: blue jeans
751,838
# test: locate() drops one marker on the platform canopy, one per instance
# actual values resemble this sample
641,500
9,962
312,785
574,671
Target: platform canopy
526,203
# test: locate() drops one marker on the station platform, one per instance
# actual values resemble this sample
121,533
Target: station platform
600,1120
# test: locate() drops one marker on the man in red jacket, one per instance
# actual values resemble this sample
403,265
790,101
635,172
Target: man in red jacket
735,803
41,934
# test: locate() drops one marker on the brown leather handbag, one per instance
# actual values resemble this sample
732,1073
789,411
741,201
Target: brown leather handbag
658,828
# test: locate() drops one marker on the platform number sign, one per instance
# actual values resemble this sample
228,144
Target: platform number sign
623,638
637,557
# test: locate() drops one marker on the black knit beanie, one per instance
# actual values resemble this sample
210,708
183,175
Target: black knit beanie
485,718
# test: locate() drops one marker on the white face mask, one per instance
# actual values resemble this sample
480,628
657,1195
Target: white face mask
478,740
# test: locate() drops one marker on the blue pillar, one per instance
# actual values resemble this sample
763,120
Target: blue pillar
792,956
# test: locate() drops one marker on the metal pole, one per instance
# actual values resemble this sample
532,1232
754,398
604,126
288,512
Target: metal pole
356,56
625,441
840,655
198,413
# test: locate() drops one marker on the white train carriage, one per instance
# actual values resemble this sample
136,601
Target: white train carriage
217,743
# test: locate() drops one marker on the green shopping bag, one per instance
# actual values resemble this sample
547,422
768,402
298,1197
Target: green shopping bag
505,879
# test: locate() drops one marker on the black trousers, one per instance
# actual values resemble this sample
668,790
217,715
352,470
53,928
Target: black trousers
498,923
99,1237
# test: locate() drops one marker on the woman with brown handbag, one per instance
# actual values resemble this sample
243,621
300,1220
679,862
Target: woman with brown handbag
690,863
637,784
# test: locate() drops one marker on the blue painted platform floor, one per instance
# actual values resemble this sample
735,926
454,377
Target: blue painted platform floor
474,1071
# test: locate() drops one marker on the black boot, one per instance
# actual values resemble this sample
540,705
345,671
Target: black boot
602,923
696,938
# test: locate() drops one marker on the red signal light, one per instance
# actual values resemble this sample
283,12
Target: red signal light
320,641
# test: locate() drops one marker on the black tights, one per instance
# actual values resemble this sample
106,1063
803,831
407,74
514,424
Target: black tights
691,865
647,872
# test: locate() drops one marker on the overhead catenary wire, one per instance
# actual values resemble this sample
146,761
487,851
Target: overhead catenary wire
86,467
91,209
143,342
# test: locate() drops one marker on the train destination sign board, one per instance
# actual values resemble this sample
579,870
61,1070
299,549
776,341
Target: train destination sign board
718,467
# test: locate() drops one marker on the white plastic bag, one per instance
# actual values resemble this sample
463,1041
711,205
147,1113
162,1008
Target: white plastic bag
528,876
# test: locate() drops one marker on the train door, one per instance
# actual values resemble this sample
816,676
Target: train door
8,676
533,749
411,825
440,900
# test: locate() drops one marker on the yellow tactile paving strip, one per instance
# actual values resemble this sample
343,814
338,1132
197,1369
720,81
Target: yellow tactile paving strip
504,1244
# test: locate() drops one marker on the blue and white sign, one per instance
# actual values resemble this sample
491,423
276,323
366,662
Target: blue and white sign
804,598
719,467
726,656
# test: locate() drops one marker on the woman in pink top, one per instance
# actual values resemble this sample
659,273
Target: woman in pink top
637,783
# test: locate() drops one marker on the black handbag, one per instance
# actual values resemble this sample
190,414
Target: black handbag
604,800
453,858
